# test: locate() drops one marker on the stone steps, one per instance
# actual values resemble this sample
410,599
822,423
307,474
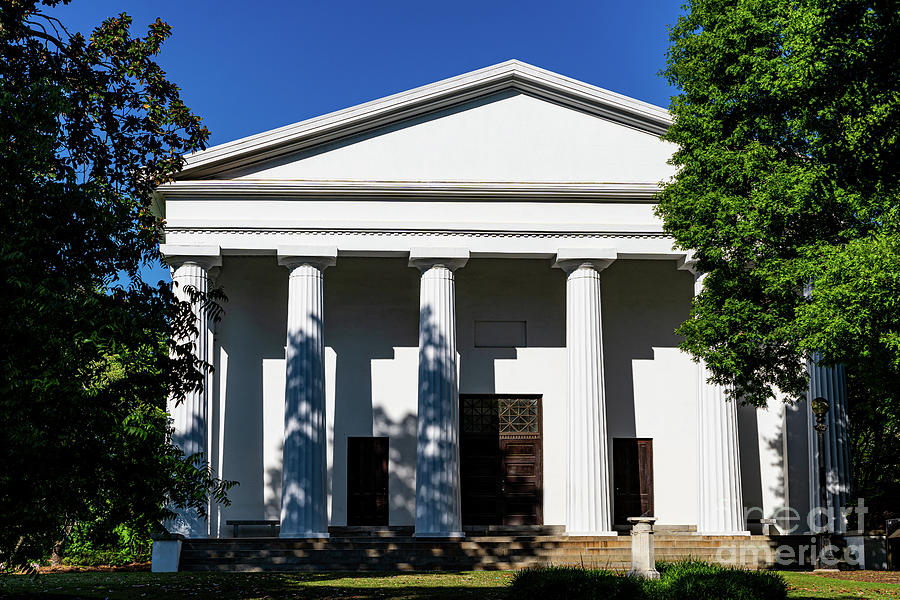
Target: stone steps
387,550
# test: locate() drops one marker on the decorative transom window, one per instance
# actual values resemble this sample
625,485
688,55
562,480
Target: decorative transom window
518,415
492,415
479,415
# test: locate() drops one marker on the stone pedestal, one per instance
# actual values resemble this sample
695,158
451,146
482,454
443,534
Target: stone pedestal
438,502
165,555
304,499
643,562
588,505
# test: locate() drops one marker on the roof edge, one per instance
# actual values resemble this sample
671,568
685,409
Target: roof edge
511,74
298,189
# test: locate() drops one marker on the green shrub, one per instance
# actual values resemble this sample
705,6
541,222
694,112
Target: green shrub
573,583
121,546
687,580
690,579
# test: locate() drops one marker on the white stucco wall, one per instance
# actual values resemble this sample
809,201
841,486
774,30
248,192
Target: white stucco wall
509,136
651,386
763,448
371,320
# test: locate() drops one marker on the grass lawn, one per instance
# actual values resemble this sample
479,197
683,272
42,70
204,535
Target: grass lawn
455,586
807,585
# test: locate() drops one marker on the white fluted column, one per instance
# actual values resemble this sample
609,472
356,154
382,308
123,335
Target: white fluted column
719,496
190,268
589,502
304,494
830,382
438,504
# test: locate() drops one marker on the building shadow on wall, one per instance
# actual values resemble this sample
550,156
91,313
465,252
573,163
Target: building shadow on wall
754,487
478,368
371,309
642,303
748,444
251,335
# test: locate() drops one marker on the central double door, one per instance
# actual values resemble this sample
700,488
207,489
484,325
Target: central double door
501,470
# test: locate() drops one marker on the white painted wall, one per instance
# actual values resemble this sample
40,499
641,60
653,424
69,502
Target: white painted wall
468,215
763,450
651,386
509,136
371,320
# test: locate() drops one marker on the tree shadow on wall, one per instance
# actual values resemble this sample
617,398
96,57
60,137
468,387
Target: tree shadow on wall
305,437
437,379
402,462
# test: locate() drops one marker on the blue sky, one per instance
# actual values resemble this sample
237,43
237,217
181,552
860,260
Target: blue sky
253,65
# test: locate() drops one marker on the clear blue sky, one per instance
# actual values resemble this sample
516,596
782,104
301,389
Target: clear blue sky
253,65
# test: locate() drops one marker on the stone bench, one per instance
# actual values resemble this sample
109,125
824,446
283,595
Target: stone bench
236,523
767,526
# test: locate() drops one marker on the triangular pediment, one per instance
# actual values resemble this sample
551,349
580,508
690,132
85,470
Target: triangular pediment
507,123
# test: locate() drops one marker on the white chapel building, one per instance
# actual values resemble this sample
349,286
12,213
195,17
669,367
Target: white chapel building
454,307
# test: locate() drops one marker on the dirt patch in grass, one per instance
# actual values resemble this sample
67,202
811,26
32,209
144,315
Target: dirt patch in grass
131,568
806,585
871,576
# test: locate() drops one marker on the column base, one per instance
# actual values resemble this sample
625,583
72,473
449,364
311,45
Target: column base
302,535
645,573
441,534
591,534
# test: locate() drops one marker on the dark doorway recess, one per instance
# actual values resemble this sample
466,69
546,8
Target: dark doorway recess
367,481
501,467
632,478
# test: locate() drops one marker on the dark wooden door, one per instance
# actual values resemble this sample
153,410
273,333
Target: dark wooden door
480,480
500,460
632,478
520,485
367,481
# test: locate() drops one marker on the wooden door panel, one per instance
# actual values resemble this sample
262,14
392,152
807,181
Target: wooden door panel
522,493
632,478
521,470
500,460
367,481
645,468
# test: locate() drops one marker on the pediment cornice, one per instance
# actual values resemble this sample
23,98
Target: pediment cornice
512,74
547,191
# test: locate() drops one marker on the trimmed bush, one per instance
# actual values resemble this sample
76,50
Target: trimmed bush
688,580
573,583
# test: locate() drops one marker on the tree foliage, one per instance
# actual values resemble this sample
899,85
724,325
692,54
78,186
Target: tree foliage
88,128
787,121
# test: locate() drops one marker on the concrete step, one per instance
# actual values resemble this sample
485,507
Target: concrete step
390,550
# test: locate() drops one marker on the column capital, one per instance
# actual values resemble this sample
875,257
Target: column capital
205,256
688,262
571,259
425,258
320,257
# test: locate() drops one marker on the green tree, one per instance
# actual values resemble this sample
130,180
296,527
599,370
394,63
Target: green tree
787,120
88,128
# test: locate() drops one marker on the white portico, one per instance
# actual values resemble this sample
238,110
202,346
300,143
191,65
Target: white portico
453,307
